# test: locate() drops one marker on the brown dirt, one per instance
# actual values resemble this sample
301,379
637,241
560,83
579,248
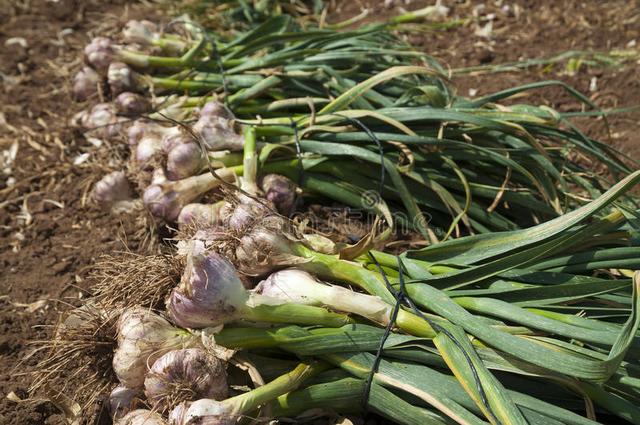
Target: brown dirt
526,29
50,235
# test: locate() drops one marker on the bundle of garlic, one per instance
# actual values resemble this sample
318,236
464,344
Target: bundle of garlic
458,332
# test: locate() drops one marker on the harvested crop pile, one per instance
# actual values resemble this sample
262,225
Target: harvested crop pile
501,257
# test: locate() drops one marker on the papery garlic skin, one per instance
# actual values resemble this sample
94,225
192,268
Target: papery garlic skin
123,400
143,337
162,203
171,140
245,212
210,293
215,109
182,375
141,417
142,128
166,200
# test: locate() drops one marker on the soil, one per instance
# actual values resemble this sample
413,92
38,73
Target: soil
51,234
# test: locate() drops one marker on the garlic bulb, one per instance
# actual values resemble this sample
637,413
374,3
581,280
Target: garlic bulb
99,53
102,120
140,32
216,128
184,160
142,127
146,33
113,187
141,417
215,109
128,103
121,78
147,149
183,375
280,191
122,400
200,214
210,293
265,247
143,337
172,139
85,83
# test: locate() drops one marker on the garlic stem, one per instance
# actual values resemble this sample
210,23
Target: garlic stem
250,162
286,383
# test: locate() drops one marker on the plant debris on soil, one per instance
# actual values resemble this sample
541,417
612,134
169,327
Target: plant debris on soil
51,234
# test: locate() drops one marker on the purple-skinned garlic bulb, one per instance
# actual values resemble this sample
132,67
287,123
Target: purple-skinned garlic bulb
99,53
143,127
146,33
140,32
141,417
128,103
112,188
138,130
209,294
85,83
122,79
280,191
244,212
201,214
217,129
172,139
185,375
184,160
265,247
143,337
148,148
215,109
123,400
102,121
